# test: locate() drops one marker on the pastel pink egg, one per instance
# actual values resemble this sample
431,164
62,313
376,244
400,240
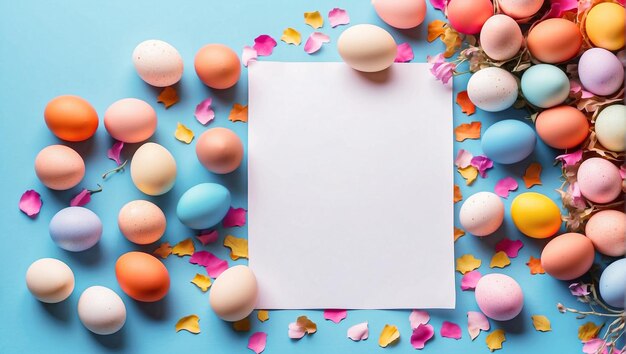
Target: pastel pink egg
59,167
482,214
468,16
501,37
141,222
520,8
499,297
607,230
130,120
599,180
401,13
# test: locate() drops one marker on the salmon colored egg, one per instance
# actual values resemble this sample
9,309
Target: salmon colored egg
535,215
607,230
219,150
130,120
59,167
468,16
401,13
568,256
217,66
520,8
141,222
605,25
562,127
501,37
142,277
554,40
71,118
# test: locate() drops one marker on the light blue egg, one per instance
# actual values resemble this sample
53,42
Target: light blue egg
509,141
545,85
613,283
203,206
75,229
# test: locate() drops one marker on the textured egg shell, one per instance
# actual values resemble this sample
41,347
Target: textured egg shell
219,150
605,25
75,229
71,118
141,222
508,141
142,277
130,120
492,89
535,215
607,230
612,284
499,297
468,16
610,127
217,66
567,256
545,85
501,37
600,72
59,167
233,295
203,205
158,63
101,310
153,169
401,13
367,48
599,180
50,280
562,127
519,9
554,40
482,213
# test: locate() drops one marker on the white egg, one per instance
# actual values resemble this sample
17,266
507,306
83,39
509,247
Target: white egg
611,127
50,280
492,89
101,310
158,63
482,214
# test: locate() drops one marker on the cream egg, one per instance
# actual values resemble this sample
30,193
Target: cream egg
234,293
492,89
599,180
101,310
141,222
519,9
153,169
499,297
59,167
130,120
158,63
367,48
401,13
482,213
611,127
50,280
607,230
501,37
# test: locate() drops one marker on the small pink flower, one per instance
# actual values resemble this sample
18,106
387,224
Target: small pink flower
442,69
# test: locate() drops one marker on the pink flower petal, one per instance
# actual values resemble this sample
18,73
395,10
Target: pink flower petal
558,7
315,41
622,171
81,198
570,159
207,237
213,264
358,332
482,164
450,330
204,113
249,54
463,158
335,315
338,17
578,289
441,69
257,342
264,45
30,203
577,198
593,346
505,185
418,317
114,152
511,248
439,4
476,322
421,335
470,279
404,53
295,331
576,87
234,217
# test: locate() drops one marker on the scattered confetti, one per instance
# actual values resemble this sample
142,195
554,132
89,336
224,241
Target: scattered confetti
184,248
264,45
404,54
482,163
163,251
470,279
359,332
388,335
183,133
570,159
242,325
207,237
458,233
238,113
234,217
458,196
314,19
589,331
495,339
450,330
463,158
301,327
168,97
30,203
467,131
115,151
291,36
504,186
532,176
315,42
578,289
248,54
418,317
499,260
467,107
238,247
189,323
511,248
467,263
541,323
469,173
257,342
82,198
213,264
422,334
476,322
535,266
335,315
202,281
263,315
338,17
204,113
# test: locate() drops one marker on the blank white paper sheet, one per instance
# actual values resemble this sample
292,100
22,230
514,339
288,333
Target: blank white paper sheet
350,185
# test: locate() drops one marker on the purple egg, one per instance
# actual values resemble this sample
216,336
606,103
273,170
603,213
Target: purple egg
600,72
75,229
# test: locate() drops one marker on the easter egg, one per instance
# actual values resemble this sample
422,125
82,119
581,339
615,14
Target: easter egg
554,40
217,66
482,213
142,277
153,169
141,222
75,229
600,72
610,127
536,215
130,120
599,180
401,13
50,280
567,256
59,167
612,284
234,293
203,205
545,85
499,297
501,37
492,89
219,150
562,127
607,230
367,48
101,310
605,25
508,141
519,9
468,16
71,118
158,63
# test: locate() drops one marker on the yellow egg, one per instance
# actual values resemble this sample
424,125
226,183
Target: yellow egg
605,25
153,169
535,215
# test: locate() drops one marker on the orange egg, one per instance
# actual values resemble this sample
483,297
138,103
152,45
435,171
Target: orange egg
562,127
71,118
59,167
468,16
142,277
554,40
217,66
568,256
219,150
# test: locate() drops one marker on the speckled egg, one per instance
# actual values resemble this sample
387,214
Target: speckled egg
141,222
508,141
401,13
499,297
501,37
59,167
219,150
567,256
562,127
612,285
158,63
492,89
468,16
610,127
600,72
130,120
519,9
75,229
367,48
71,118
203,205
599,180
101,310
153,169
536,215
234,293
482,213
545,85
605,25
142,277
607,230
217,66
554,40
50,280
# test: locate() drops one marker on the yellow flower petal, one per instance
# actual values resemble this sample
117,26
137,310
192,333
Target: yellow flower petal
469,173
314,19
589,331
238,113
458,233
184,248
238,247
263,315
499,260
291,36
467,263
242,325
452,41
202,281
388,335
495,339
183,133
541,323
168,97
189,323
163,251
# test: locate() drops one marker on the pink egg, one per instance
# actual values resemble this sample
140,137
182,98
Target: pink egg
468,16
59,167
520,8
499,297
599,180
219,150
130,120
607,231
141,222
401,13
501,38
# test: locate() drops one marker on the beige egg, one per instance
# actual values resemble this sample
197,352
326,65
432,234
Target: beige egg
607,231
59,167
234,293
367,48
158,63
501,37
141,222
153,169
50,280
101,310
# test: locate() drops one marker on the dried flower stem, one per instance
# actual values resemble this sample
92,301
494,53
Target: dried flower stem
115,170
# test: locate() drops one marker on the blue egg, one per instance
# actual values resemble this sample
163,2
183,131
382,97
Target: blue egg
613,283
545,85
203,206
509,141
75,229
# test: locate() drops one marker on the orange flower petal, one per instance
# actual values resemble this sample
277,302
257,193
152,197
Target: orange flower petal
238,113
189,323
467,107
467,131
238,247
535,266
184,248
435,30
457,194
263,315
242,325
163,251
168,97
202,281
532,176
458,233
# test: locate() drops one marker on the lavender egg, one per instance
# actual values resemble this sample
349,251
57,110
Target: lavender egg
600,72
75,229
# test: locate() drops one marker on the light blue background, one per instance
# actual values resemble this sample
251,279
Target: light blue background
49,48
